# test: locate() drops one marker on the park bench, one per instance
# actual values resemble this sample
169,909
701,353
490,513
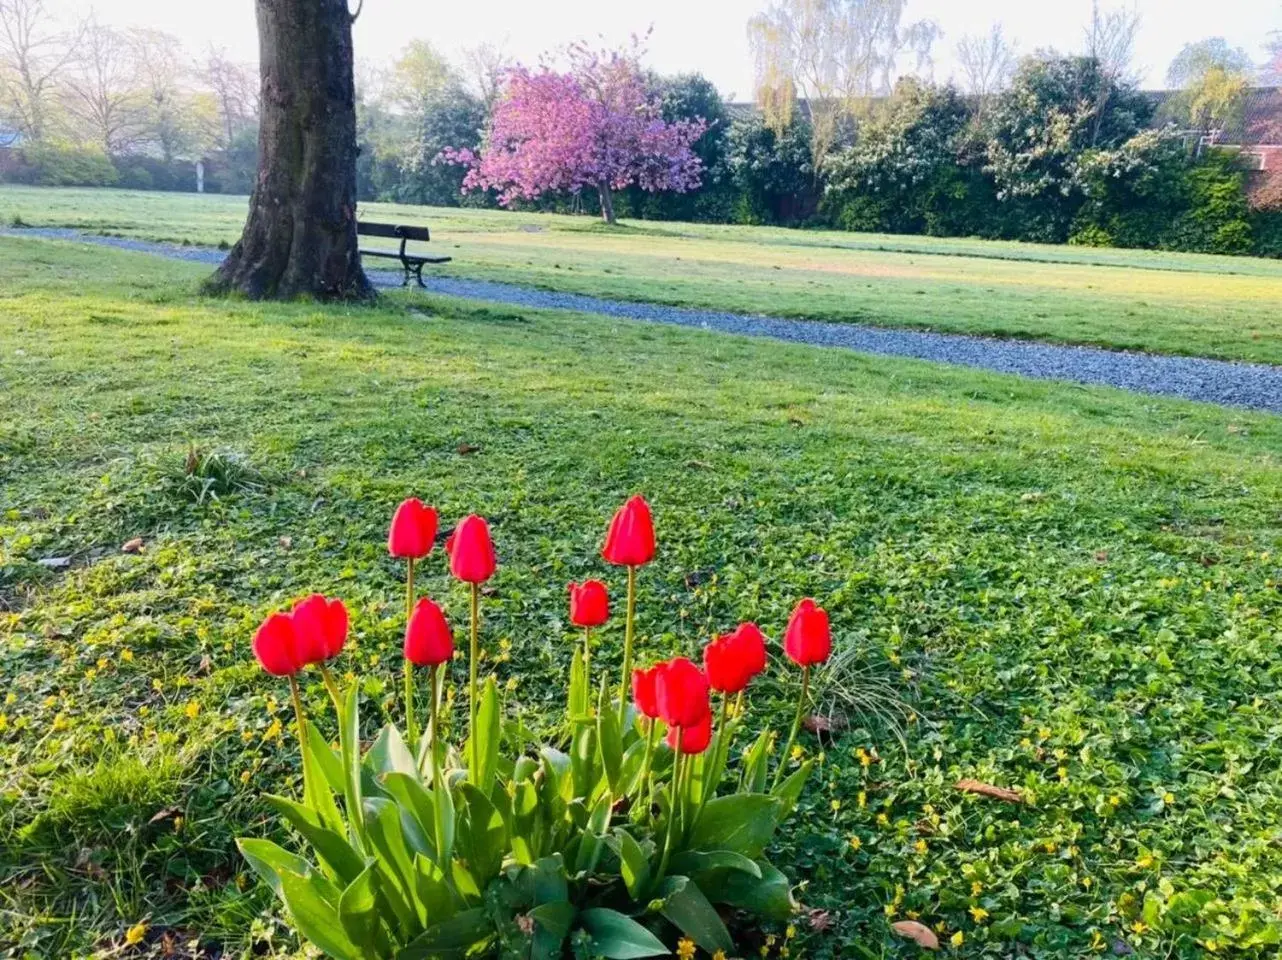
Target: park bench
411,262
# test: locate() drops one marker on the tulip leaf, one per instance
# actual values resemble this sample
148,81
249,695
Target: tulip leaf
552,923
698,864
578,701
756,764
789,792
316,917
482,835
349,737
389,754
433,897
321,758
619,937
609,739
593,836
332,849
743,823
387,841
634,864
414,799
488,718
269,860
452,939
769,896
358,913
582,762
690,912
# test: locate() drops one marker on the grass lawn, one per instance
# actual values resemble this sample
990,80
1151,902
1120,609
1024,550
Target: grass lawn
1127,299
1074,591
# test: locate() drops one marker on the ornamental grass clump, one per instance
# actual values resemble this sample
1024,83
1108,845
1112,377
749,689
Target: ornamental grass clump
626,837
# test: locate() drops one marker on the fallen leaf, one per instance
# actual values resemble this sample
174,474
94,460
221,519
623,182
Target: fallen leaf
698,465
820,920
818,723
168,813
988,790
286,542
919,932
465,448
132,546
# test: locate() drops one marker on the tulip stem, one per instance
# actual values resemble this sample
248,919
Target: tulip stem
627,646
672,809
587,654
332,687
645,764
431,724
796,725
411,722
298,711
474,653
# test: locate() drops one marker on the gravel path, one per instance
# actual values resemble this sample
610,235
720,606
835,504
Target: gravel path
1255,386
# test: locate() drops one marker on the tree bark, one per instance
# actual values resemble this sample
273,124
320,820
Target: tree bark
607,202
300,237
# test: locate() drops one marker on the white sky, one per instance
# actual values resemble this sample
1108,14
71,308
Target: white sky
707,36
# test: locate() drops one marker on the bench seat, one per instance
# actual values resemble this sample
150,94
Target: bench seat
412,263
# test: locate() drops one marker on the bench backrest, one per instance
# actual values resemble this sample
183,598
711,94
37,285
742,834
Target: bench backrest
400,232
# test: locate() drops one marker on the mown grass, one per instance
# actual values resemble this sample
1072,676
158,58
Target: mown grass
1075,590
1189,304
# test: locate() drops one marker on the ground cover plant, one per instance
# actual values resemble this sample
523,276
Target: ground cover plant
1126,299
1068,593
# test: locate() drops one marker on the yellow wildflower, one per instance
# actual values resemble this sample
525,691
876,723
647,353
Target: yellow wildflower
1139,926
274,731
798,752
890,909
685,948
1145,861
244,776
1086,882
836,805
719,955
135,933
127,655
976,888
957,939
10,699
790,932
4,722
1049,847
60,722
920,846
856,844
978,914
192,710
1062,773
862,799
883,820
1168,798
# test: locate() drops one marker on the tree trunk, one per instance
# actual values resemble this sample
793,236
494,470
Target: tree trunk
607,202
300,238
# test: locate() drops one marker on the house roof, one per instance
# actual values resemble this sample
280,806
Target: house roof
1259,123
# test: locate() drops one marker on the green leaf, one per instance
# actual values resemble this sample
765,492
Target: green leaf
789,792
270,860
634,864
451,939
349,737
696,863
756,764
322,778
389,754
609,740
358,912
583,762
618,937
315,918
578,687
769,897
328,761
333,850
413,799
743,823
690,912
482,835
552,922
434,900
488,717
593,836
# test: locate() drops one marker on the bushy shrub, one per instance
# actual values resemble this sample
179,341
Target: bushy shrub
52,164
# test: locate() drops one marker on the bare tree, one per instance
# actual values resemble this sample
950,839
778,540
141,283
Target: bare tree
103,89
834,54
483,68
1110,42
33,52
162,75
987,64
235,88
1271,74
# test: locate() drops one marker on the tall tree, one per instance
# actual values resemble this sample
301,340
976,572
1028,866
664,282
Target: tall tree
161,72
1110,42
987,64
300,237
235,89
1213,79
833,54
33,53
104,91
596,126
484,67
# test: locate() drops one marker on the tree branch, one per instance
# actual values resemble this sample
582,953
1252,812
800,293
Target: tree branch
360,5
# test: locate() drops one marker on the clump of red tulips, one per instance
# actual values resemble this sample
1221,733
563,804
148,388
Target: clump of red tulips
625,833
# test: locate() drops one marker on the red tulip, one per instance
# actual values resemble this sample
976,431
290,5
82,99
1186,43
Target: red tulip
275,646
413,530
643,691
693,739
320,628
589,604
808,639
731,661
630,541
471,551
428,639
681,693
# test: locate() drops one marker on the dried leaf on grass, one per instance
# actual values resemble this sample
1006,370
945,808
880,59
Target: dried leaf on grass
988,790
922,934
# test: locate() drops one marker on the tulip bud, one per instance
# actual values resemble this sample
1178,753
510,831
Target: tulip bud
630,540
471,551
320,628
428,639
274,646
808,639
589,604
413,530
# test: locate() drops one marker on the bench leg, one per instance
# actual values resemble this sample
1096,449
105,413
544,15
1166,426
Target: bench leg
418,275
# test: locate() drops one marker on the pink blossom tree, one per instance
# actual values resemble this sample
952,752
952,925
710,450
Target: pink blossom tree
596,125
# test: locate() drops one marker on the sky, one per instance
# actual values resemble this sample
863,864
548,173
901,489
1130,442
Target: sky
705,36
